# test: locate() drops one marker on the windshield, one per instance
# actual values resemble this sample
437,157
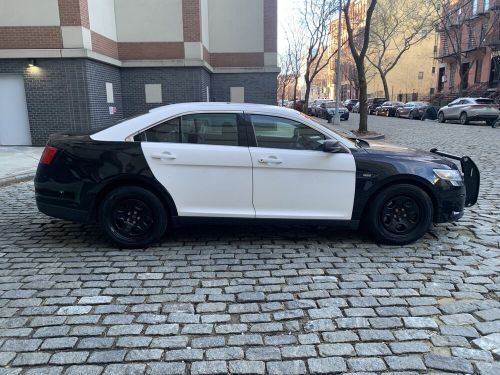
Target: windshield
330,104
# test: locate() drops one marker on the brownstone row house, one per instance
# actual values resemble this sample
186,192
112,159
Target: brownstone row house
469,51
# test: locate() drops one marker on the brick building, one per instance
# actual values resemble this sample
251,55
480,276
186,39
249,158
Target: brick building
78,65
469,49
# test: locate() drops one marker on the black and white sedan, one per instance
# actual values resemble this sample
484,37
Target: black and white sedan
220,162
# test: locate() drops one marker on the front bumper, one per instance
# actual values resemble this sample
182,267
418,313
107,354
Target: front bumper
471,176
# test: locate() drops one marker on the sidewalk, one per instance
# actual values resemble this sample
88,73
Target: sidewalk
18,163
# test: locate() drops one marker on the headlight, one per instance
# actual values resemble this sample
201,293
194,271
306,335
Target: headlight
452,175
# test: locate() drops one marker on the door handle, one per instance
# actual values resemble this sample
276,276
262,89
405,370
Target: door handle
166,155
270,160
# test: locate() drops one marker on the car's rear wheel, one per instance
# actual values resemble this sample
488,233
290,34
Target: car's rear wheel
463,118
411,116
396,114
133,217
441,117
400,214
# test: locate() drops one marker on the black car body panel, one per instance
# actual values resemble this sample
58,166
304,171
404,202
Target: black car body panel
381,164
83,170
373,103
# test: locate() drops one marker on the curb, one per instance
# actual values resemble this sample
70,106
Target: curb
17,179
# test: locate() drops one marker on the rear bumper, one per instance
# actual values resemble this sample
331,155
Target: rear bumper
62,212
482,117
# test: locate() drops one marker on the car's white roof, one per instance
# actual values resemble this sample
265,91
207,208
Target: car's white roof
124,129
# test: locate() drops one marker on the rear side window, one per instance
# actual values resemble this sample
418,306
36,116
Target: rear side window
201,128
484,101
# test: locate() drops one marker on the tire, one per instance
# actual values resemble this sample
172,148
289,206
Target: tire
396,114
441,117
119,214
397,201
463,118
411,116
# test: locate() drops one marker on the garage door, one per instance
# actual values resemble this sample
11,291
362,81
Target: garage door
14,124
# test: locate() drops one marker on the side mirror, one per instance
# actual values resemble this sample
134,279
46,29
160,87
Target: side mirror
333,146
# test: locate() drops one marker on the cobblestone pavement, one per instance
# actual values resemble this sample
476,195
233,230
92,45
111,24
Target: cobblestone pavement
255,300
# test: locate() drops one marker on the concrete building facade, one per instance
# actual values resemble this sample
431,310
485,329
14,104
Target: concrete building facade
79,65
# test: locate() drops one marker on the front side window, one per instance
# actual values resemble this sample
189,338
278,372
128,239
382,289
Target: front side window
203,128
277,132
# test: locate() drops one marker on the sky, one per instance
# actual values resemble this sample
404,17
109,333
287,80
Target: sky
287,11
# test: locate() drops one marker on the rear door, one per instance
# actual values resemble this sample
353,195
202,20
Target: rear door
203,163
293,178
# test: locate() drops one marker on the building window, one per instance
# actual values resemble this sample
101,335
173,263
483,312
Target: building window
110,98
474,7
432,91
420,75
153,93
433,70
453,70
237,94
479,67
486,5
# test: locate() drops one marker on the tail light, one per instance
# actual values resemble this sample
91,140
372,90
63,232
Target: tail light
48,155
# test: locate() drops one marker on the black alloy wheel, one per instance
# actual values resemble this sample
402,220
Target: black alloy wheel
410,116
400,214
133,217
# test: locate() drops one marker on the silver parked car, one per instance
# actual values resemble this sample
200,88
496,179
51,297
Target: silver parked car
469,109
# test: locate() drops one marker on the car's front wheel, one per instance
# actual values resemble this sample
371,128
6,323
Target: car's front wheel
133,217
463,118
400,214
441,117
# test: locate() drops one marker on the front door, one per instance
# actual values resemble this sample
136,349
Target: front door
14,124
293,178
197,158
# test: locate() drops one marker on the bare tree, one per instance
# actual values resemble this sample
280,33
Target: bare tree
284,78
394,30
296,49
359,54
316,17
453,20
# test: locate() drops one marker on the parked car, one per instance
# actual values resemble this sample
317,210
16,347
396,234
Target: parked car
315,106
350,103
326,110
355,109
469,109
412,110
201,162
373,103
299,105
388,109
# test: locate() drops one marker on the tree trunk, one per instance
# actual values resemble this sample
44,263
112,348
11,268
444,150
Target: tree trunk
305,108
295,91
386,86
363,96
283,95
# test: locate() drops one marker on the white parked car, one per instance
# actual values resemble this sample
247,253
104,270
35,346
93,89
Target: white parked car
469,109
216,162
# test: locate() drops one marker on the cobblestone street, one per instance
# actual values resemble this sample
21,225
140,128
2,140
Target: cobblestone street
255,300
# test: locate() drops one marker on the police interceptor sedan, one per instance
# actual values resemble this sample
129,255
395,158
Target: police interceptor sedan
221,162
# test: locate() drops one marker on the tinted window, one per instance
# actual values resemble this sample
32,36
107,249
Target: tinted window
207,129
276,132
166,132
484,101
210,129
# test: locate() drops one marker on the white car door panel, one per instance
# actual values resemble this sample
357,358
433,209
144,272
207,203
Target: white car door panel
204,180
212,180
293,183
299,184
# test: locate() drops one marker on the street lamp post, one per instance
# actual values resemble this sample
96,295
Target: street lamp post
336,120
